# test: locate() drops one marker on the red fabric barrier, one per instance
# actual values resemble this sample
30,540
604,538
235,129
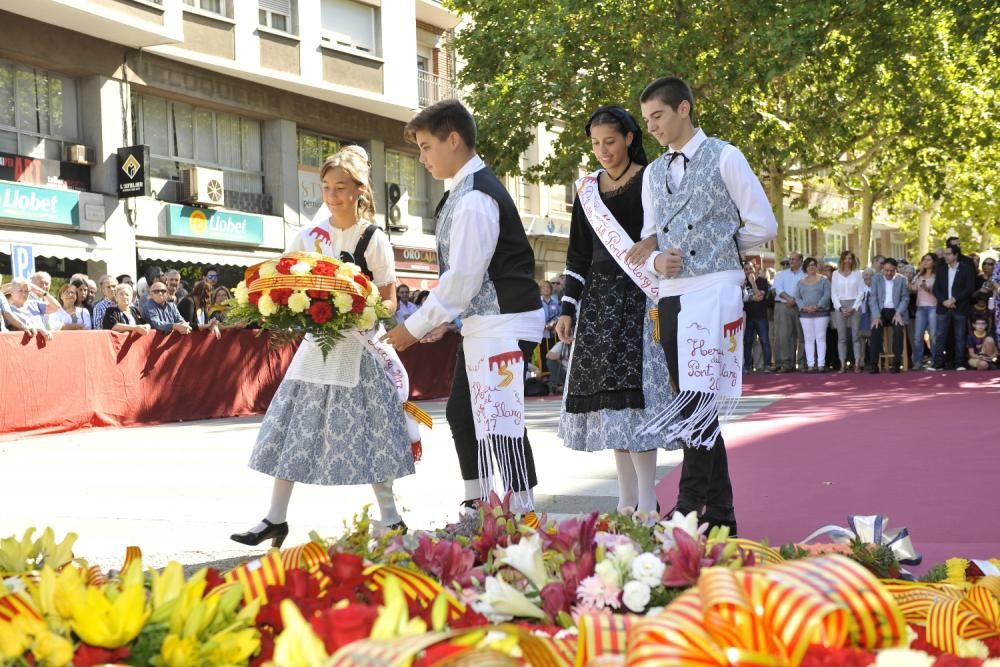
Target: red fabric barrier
96,378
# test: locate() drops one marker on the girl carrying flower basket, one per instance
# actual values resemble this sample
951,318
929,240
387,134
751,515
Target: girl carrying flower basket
337,417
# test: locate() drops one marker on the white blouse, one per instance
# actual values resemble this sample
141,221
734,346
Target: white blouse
847,288
334,241
61,318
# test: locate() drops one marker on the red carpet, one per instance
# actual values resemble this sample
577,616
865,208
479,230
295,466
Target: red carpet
919,448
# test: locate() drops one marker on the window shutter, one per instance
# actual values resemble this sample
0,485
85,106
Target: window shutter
283,7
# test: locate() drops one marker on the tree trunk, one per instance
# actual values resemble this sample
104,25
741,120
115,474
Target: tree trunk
776,194
986,237
865,233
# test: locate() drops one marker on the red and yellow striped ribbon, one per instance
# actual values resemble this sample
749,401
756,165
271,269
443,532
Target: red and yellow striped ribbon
768,616
418,414
306,282
13,605
765,555
257,575
305,557
132,554
416,586
95,577
949,612
600,634
387,653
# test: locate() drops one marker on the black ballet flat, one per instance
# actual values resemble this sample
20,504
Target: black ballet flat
277,532
398,526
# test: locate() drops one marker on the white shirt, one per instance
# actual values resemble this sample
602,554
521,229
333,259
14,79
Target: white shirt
759,225
888,302
785,281
61,318
847,288
334,241
952,272
475,229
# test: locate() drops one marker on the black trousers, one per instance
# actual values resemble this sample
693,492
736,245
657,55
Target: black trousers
463,429
897,339
705,486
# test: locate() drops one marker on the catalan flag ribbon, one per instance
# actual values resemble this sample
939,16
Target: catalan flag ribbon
418,414
601,634
949,612
387,653
768,616
416,586
13,605
132,554
305,557
257,575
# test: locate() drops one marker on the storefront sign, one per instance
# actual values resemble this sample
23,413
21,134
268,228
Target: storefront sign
201,223
418,259
310,194
133,172
39,171
21,202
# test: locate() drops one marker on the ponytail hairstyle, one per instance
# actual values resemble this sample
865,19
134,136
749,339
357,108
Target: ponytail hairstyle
354,160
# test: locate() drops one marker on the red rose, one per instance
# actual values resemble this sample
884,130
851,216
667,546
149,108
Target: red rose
362,280
324,269
346,566
88,655
254,277
337,627
255,297
322,295
320,312
280,296
285,265
358,304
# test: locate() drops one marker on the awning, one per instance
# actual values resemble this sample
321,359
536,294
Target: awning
417,280
201,255
61,246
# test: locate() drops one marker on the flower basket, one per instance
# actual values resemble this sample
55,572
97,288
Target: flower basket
303,293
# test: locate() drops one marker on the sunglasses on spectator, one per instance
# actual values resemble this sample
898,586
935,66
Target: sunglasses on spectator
212,276
158,291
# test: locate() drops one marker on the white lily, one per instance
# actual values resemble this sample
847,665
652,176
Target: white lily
526,558
505,599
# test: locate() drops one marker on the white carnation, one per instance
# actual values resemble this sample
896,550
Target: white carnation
635,596
648,569
608,573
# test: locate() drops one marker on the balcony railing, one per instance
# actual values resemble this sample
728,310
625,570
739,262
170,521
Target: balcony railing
432,88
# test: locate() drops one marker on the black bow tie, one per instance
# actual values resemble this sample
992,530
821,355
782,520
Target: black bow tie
675,155
440,205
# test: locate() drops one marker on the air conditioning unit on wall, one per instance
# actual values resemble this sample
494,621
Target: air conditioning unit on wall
202,186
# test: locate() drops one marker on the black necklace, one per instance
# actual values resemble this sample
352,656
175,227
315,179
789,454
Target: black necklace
624,171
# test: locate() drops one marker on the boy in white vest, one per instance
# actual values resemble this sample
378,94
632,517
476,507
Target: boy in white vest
487,280
705,206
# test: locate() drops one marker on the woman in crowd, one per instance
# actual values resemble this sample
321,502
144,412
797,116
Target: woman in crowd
79,281
119,317
195,308
70,316
337,420
615,382
812,293
217,311
847,290
925,320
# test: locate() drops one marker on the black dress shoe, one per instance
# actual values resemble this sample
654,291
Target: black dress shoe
399,525
276,531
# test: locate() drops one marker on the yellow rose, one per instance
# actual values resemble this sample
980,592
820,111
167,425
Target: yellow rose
268,269
343,302
367,319
266,306
242,293
300,268
298,302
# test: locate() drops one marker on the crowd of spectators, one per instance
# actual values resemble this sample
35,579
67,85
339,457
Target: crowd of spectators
161,301
817,318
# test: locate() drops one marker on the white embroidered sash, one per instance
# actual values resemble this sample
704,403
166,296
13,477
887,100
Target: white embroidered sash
495,367
612,235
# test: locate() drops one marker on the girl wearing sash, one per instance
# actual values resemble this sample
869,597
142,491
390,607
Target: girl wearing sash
611,390
340,420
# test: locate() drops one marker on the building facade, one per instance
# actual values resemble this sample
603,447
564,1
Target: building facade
238,103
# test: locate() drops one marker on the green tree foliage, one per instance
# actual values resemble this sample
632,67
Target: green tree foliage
863,90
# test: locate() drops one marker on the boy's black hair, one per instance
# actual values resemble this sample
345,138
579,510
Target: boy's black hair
670,90
442,119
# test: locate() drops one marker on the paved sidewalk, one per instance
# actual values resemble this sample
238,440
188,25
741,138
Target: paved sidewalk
179,490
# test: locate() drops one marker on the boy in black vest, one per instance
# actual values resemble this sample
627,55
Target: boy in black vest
487,281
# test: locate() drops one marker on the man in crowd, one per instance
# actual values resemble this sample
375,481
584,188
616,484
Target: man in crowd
954,282
211,276
161,314
888,302
41,279
557,286
106,284
755,328
406,307
172,279
788,339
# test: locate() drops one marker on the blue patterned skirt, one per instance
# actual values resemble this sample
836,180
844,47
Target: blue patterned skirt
334,435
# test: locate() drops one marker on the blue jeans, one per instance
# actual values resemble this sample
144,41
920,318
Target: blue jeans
756,329
925,320
949,324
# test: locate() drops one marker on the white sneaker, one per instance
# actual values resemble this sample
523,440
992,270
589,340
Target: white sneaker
961,368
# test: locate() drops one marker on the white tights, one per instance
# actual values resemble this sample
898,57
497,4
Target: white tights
636,479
